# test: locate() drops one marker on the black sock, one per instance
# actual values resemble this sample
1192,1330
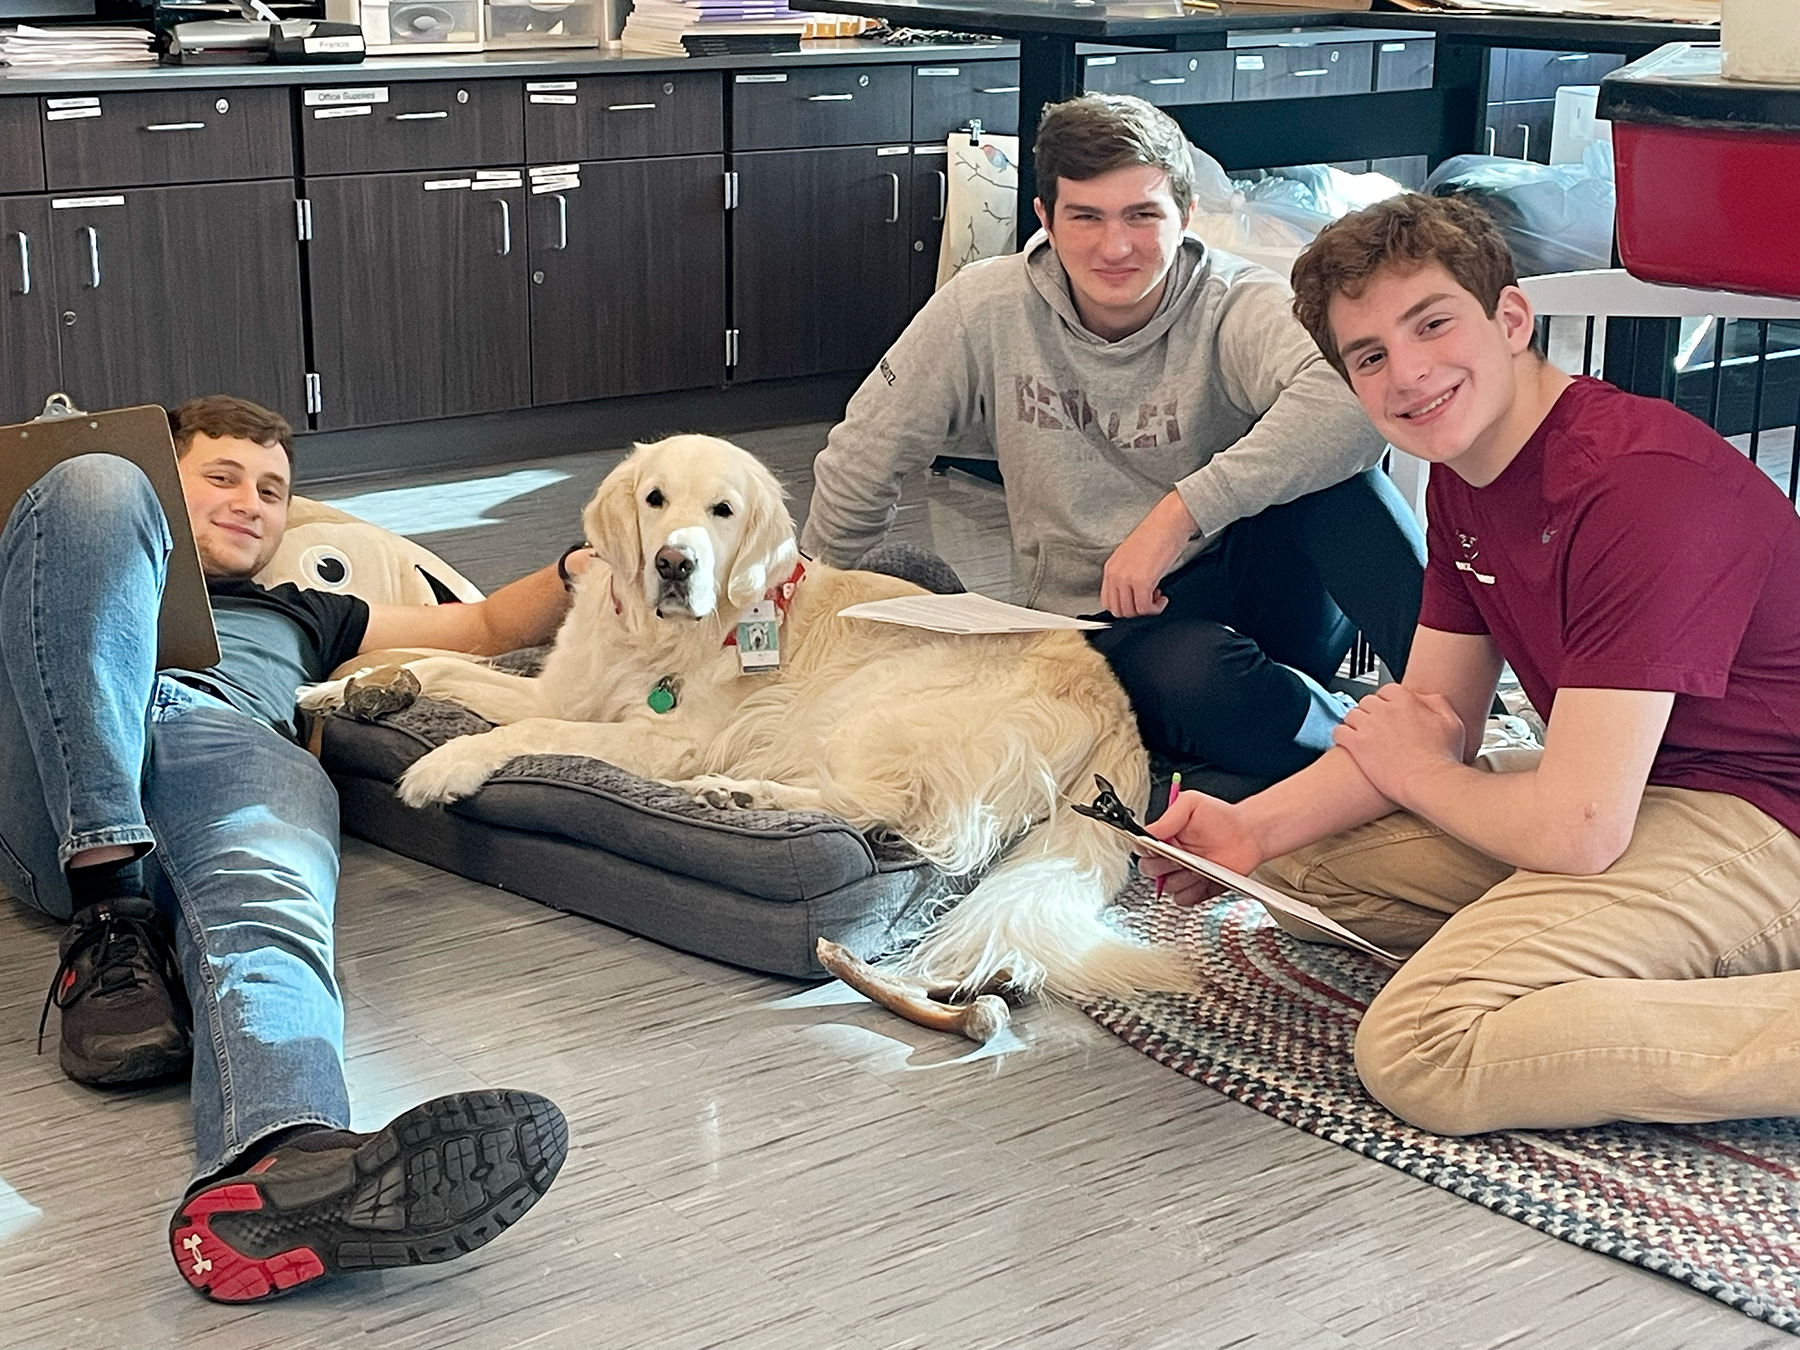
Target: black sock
106,881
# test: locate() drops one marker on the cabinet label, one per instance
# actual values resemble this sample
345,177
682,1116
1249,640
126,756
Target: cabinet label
349,42
1393,46
896,150
70,203
760,79
548,86
562,184
69,114
940,70
354,110
554,170
445,184
484,184
72,103
1249,63
362,93
551,98
1103,60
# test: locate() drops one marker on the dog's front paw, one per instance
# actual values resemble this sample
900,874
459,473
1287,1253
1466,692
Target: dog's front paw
455,769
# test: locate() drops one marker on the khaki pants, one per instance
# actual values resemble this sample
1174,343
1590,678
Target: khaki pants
1666,988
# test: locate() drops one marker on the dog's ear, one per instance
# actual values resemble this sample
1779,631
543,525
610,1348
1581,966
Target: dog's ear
766,549
611,520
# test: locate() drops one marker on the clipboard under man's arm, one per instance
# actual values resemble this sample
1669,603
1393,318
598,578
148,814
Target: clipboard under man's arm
185,637
1294,914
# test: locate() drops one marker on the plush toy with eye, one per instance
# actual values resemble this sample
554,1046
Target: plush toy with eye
326,549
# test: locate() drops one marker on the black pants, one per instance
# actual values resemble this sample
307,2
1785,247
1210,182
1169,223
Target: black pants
1228,681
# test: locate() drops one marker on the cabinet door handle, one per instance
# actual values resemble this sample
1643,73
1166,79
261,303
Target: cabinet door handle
24,261
1524,140
1309,74
421,116
829,98
93,256
943,194
893,216
630,107
1574,56
1490,148
1177,79
1000,89
505,227
562,221
175,126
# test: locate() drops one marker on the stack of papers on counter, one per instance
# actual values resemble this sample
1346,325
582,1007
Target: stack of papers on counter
658,26
1669,11
77,46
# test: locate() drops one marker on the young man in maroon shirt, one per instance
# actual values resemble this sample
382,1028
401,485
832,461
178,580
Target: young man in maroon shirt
1613,934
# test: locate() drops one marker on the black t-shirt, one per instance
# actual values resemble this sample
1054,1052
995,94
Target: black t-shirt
272,641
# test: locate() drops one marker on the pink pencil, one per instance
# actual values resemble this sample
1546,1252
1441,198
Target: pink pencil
1174,792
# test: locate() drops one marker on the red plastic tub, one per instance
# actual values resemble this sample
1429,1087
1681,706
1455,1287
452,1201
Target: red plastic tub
1708,173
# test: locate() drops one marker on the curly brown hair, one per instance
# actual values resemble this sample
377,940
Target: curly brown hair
1093,134
224,416
1405,233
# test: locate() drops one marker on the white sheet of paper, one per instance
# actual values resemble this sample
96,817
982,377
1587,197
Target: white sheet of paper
1270,898
966,613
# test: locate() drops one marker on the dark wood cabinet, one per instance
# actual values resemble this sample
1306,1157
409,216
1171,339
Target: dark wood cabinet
628,279
822,258
154,306
945,97
21,149
822,105
1310,71
419,296
30,367
624,117
930,195
173,136
429,124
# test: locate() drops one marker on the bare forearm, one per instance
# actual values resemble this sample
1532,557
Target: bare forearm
522,613
1328,796
1518,818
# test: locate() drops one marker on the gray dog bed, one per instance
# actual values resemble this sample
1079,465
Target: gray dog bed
755,888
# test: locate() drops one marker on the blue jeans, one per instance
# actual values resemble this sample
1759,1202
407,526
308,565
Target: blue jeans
96,748
1229,679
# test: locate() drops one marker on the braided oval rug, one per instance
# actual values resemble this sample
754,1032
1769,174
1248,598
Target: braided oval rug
1714,1206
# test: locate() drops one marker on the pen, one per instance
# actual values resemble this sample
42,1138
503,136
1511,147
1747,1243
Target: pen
1174,792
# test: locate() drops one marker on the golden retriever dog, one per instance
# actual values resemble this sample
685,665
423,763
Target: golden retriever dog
970,749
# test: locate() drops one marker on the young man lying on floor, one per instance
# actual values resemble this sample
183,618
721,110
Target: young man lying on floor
170,816
1178,456
1614,935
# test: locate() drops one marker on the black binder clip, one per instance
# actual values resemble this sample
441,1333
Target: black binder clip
1108,809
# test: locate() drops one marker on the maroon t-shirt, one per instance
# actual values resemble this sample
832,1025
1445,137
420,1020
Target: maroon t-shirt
1627,546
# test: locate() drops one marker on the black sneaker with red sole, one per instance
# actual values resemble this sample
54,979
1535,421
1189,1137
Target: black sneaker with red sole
440,1180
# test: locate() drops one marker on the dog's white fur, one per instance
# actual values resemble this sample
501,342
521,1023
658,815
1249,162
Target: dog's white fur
968,748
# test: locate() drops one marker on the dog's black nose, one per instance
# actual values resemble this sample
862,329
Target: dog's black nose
672,564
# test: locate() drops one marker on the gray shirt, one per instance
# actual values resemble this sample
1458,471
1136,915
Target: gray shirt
1221,397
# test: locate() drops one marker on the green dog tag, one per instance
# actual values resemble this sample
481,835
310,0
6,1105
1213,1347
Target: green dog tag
663,696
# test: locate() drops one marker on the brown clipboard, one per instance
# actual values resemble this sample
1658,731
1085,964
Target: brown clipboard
185,637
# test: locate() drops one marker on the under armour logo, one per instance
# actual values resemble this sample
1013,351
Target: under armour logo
1548,531
192,1243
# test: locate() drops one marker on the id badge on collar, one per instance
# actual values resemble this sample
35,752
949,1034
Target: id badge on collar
759,638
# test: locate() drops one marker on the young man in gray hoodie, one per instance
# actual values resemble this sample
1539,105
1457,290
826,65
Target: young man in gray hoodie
1179,458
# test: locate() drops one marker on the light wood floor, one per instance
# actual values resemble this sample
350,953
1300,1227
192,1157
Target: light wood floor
758,1163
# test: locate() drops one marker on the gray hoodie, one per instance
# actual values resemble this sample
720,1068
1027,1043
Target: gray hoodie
1221,396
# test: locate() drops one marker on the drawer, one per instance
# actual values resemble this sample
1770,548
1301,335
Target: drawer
948,96
1538,75
830,105
172,136
1302,72
380,128
624,117
1163,78
21,147
1405,65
